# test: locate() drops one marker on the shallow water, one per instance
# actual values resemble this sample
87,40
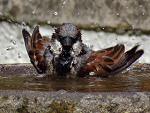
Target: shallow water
129,81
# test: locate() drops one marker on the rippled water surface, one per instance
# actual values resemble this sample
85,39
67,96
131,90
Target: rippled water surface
130,81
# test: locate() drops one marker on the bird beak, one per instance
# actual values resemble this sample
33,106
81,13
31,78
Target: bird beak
67,42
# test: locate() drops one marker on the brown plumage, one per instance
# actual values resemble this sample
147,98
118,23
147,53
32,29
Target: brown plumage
100,63
110,61
36,47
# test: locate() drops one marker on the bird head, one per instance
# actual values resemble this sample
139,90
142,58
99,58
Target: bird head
67,34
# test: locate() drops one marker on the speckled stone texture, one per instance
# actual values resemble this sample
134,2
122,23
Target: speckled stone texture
101,12
66,102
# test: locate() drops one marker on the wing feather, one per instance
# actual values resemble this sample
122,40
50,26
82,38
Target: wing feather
110,60
36,47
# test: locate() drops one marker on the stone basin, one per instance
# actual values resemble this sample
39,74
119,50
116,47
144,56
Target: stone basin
24,77
21,92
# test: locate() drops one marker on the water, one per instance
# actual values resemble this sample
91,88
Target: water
133,80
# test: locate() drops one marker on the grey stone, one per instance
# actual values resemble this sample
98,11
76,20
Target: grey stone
34,101
114,13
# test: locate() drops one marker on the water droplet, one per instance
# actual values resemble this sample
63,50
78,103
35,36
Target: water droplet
117,14
9,48
34,12
143,13
23,23
103,28
64,2
55,13
92,73
13,42
48,22
19,56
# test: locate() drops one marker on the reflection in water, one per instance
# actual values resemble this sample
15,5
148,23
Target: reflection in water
136,81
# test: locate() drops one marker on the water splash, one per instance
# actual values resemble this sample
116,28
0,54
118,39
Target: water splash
13,42
9,48
55,13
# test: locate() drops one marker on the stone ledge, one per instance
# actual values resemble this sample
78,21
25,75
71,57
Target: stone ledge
120,29
67,102
28,69
110,16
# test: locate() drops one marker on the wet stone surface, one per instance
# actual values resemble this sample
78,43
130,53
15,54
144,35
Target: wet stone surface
118,14
66,102
127,92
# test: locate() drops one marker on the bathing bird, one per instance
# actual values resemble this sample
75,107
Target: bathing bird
73,57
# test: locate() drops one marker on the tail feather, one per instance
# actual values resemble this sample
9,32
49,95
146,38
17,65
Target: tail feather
132,51
119,51
127,59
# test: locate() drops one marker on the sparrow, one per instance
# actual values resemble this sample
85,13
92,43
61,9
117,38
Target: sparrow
74,57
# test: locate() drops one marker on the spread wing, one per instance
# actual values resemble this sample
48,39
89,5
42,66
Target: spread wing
38,49
110,61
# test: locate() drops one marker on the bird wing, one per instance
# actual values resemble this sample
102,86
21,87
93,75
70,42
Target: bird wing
38,49
110,61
